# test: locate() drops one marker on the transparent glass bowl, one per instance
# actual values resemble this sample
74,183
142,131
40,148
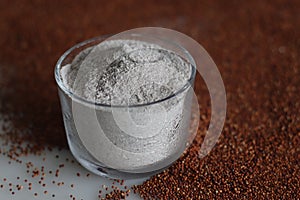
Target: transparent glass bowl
106,143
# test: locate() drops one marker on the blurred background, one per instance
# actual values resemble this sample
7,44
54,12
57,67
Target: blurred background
254,43
241,36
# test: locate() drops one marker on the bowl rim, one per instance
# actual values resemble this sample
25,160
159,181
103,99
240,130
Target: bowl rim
73,96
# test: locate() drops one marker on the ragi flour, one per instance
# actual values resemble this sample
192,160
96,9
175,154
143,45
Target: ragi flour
126,130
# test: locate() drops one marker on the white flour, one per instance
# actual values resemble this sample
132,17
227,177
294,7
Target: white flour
122,72
128,72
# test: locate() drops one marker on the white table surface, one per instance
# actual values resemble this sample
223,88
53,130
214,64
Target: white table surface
84,187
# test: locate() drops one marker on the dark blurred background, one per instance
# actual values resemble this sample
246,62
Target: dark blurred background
255,44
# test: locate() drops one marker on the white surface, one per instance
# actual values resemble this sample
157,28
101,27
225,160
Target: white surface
85,187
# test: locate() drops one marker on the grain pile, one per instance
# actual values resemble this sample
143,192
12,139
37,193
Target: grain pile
256,47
